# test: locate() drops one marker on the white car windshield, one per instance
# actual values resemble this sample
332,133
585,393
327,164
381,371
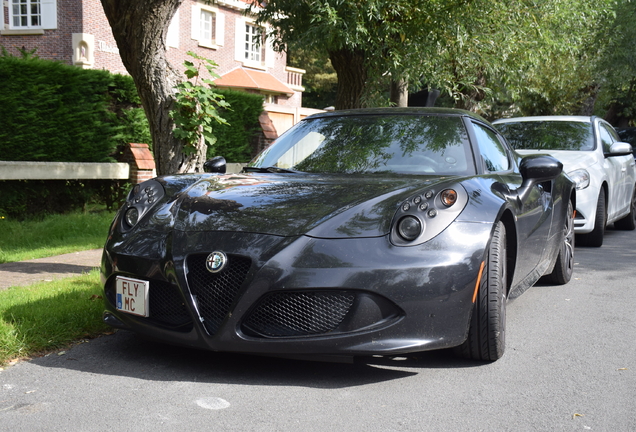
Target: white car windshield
548,135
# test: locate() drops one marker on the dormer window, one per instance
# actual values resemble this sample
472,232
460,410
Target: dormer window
208,26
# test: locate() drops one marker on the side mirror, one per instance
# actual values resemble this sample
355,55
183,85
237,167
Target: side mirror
215,165
620,149
537,169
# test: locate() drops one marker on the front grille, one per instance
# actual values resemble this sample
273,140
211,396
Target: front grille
289,314
166,304
216,292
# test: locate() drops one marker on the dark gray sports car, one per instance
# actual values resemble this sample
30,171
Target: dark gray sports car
363,232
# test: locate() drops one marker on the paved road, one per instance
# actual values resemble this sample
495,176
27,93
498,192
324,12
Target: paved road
570,365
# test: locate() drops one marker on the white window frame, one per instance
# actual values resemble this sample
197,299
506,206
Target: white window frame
242,45
48,15
253,47
218,38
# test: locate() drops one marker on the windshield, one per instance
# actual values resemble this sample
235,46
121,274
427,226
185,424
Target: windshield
413,144
548,135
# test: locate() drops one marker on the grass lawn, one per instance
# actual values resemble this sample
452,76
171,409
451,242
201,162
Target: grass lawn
51,315
54,235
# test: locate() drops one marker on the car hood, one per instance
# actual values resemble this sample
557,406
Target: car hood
571,160
327,206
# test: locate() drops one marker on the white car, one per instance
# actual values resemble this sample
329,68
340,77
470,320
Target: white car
593,156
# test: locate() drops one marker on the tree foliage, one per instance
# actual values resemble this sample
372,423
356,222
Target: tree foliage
368,40
196,106
617,65
494,57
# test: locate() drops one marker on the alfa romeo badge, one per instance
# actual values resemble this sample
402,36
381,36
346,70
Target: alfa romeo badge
215,262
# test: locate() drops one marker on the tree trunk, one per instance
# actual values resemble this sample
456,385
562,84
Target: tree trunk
139,28
399,93
352,77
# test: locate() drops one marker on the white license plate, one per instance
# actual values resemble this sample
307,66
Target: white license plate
132,295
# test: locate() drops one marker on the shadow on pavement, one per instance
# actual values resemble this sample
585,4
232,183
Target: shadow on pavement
125,354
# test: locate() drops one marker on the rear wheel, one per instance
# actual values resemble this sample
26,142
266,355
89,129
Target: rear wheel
595,238
487,333
628,222
564,265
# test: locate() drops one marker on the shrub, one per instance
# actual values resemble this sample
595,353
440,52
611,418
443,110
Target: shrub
234,140
52,112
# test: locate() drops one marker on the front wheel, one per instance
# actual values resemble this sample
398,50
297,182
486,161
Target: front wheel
487,333
595,238
564,265
628,223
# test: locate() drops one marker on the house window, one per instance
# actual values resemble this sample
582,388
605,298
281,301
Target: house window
29,15
207,27
26,13
253,43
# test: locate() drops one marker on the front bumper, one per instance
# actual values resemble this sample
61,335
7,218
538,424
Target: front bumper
300,295
586,202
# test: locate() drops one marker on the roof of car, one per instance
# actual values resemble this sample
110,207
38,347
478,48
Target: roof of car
582,119
398,111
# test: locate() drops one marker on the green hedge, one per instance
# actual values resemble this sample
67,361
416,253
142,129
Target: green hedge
52,112
234,141
30,199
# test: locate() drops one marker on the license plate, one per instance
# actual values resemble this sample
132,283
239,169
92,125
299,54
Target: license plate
132,295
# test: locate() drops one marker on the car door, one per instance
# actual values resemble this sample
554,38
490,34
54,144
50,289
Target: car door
534,218
620,173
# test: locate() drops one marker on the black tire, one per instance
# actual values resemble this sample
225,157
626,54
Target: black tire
564,265
487,333
595,238
628,223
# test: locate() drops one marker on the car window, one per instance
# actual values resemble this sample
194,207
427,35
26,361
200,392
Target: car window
493,152
548,135
607,138
395,143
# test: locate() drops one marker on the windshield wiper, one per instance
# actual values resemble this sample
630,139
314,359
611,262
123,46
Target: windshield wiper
271,169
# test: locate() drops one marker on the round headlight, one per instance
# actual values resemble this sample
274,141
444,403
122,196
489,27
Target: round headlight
131,216
448,197
409,228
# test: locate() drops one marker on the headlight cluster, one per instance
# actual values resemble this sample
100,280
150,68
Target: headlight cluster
140,200
581,177
423,216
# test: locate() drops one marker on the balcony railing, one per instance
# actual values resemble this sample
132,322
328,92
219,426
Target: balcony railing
295,78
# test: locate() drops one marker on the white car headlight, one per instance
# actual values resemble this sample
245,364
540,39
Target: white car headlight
581,178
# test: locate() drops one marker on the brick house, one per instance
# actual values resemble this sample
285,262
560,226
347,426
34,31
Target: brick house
77,32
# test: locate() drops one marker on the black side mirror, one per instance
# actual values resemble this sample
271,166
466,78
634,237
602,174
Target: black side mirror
215,165
537,169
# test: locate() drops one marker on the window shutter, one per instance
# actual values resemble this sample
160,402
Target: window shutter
270,54
49,14
220,29
239,40
173,32
195,22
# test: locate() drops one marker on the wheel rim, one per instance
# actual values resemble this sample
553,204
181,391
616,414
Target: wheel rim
568,239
